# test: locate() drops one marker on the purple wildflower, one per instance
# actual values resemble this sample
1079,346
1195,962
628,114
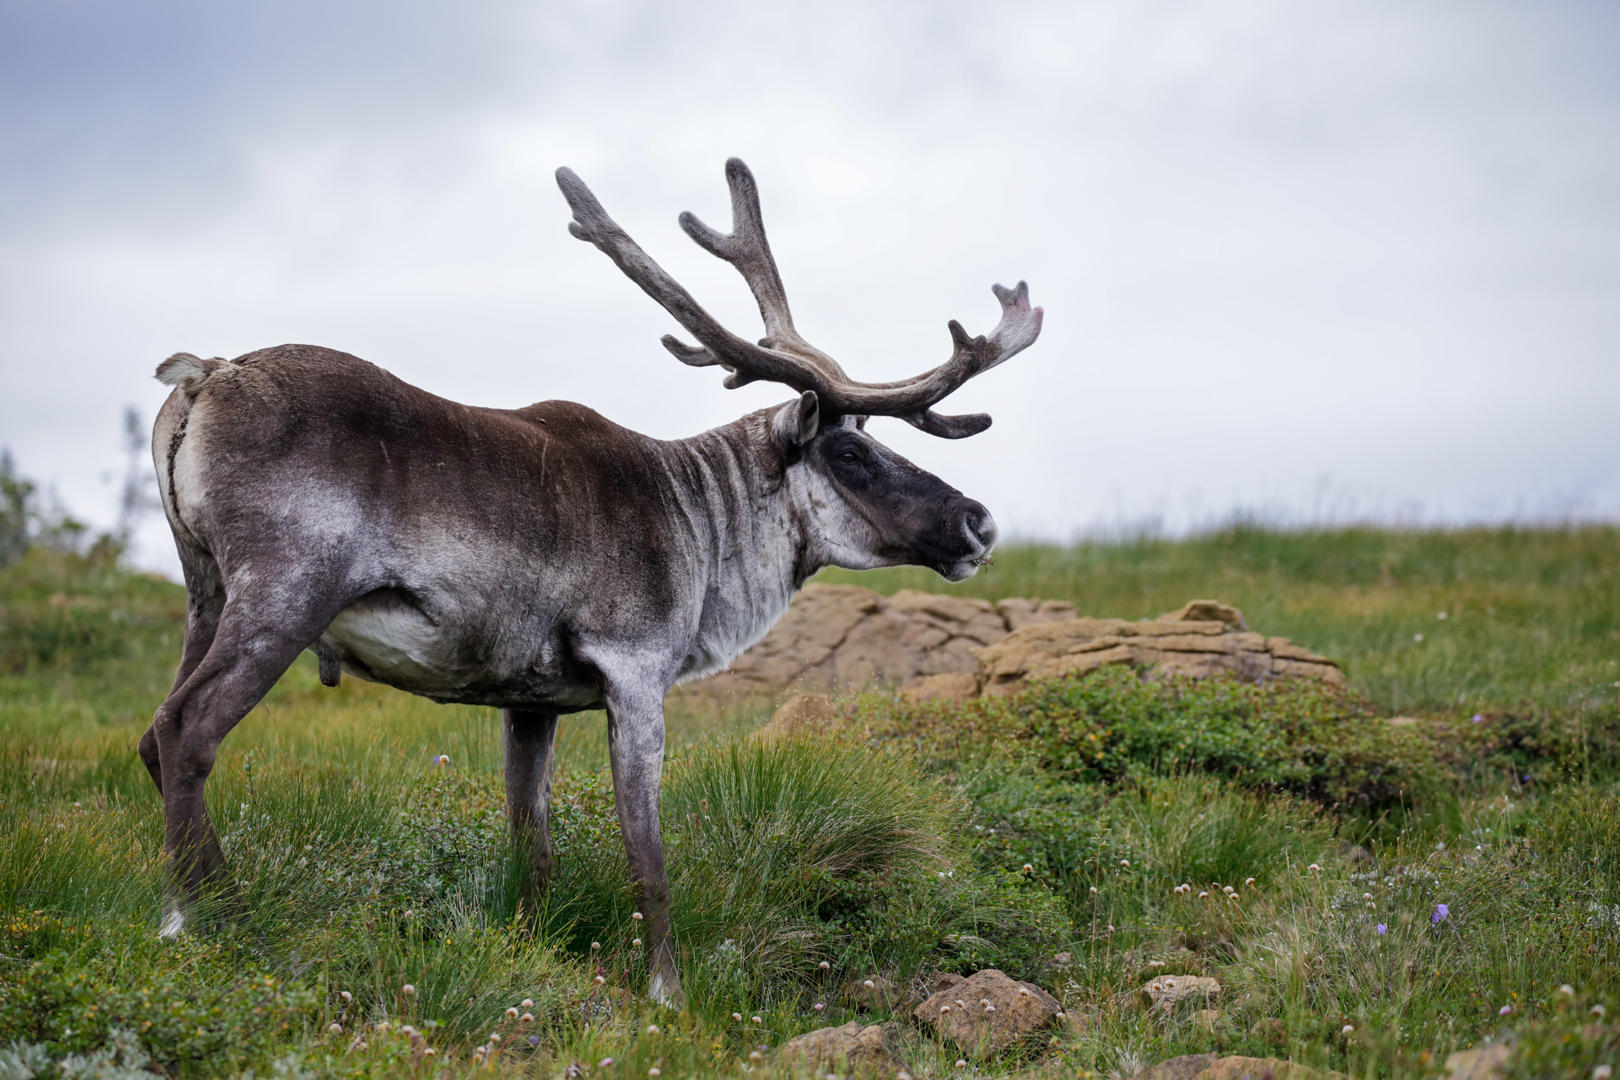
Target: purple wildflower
1478,718
1382,929
1441,911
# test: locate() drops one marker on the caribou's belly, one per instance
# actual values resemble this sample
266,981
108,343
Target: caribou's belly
385,639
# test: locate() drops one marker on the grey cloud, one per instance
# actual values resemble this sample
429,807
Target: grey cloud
1372,241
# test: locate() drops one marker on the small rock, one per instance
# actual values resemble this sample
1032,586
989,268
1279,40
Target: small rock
1206,1019
1079,1019
1480,1062
875,993
861,1050
799,715
1355,854
1271,1029
944,981
1178,1068
988,1012
948,686
1165,991
1207,611
1248,1068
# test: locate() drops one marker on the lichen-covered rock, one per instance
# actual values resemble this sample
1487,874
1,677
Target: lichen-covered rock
1165,991
1479,1062
845,637
937,646
1178,1068
1248,1068
863,1051
1203,639
988,1011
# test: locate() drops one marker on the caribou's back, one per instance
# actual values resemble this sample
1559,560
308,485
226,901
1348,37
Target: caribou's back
426,517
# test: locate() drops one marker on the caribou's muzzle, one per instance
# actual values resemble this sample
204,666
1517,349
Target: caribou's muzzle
970,524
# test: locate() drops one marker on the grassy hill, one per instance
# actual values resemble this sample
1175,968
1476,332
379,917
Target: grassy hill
1064,836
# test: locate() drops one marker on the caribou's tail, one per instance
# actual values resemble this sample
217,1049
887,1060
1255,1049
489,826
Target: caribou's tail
191,373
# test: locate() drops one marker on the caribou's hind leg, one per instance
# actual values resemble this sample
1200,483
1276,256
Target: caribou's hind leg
636,749
205,602
251,648
530,752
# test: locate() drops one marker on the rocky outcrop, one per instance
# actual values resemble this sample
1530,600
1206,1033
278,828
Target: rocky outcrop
863,1051
988,1011
934,646
1203,639
844,637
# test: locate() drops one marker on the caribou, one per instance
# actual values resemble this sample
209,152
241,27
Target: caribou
540,560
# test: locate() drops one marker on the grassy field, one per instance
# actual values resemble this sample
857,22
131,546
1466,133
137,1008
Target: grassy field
1416,889
1532,617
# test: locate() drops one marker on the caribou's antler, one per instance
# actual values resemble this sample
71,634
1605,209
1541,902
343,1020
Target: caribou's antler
782,355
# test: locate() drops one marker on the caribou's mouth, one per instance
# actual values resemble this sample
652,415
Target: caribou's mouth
962,569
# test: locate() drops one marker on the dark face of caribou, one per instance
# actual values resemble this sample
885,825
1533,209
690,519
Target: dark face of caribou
540,560
881,510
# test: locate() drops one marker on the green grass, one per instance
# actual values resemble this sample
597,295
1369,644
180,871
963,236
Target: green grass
1532,615
923,839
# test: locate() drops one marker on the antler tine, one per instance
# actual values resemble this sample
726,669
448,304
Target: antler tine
913,399
783,356
592,223
747,248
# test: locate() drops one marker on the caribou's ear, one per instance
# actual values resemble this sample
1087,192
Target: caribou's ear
797,422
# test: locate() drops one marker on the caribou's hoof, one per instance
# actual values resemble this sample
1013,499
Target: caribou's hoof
666,990
173,923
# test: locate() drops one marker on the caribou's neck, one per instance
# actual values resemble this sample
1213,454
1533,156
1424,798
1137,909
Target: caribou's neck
752,544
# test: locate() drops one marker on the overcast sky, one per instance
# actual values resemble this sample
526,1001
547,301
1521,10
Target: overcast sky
1321,260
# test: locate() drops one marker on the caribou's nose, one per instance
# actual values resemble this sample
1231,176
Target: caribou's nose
978,524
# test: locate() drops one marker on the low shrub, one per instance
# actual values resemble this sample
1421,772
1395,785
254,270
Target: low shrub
189,1005
1290,735
62,608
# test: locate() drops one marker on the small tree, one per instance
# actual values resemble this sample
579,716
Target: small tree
16,507
139,496
24,522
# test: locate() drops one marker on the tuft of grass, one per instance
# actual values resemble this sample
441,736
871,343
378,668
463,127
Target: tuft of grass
785,854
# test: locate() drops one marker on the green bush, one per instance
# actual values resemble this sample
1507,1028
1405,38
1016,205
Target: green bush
187,1003
59,607
1289,735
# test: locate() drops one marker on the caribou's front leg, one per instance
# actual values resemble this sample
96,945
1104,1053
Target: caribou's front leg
530,745
636,747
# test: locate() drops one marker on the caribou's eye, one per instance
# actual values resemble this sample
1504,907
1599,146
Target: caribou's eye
848,457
